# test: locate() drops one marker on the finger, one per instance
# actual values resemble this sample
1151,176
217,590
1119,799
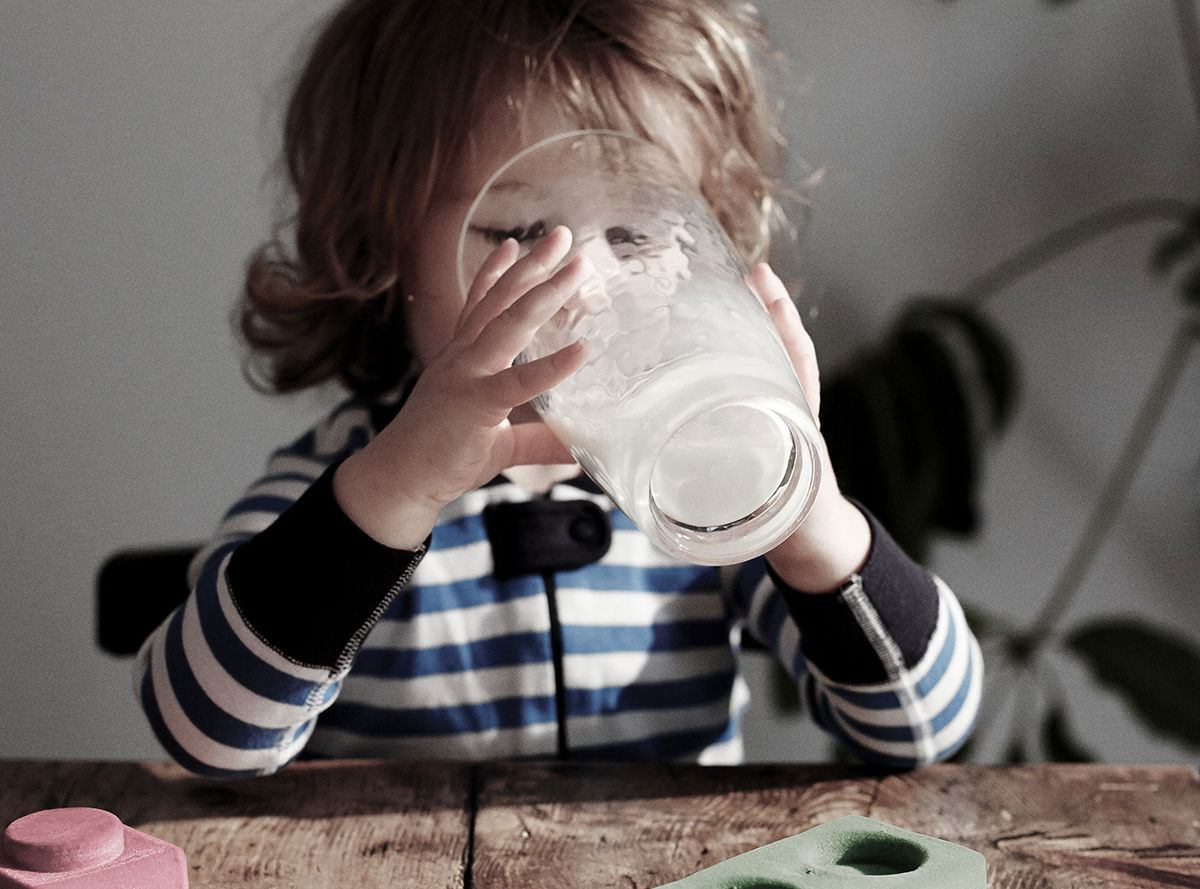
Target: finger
511,331
796,341
498,262
525,381
516,279
534,444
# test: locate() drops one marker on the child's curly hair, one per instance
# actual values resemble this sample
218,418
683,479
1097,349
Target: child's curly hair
385,104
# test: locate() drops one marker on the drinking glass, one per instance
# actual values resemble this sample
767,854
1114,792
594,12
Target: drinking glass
687,413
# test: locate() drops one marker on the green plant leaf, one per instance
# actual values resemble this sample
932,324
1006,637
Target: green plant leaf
982,623
1015,754
1191,286
1154,670
1173,249
1059,740
965,753
991,357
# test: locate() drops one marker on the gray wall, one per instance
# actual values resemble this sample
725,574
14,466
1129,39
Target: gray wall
132,169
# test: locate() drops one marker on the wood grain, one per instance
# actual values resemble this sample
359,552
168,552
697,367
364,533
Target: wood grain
1040,827
638,825
1077,826
312,825
547,825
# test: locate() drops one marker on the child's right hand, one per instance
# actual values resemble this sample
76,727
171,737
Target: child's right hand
453,433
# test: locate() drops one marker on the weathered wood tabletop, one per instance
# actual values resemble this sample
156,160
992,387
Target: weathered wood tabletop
548,825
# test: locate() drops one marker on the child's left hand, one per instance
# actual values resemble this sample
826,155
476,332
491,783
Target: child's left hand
835,538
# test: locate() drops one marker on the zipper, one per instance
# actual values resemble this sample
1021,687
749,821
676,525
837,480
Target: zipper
562,748
356,640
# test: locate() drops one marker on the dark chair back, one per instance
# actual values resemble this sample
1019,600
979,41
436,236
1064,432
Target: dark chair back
135,591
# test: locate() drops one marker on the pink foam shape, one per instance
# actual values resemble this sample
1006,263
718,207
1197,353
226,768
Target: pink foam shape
74,848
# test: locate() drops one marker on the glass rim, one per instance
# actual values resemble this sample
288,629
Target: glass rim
460,248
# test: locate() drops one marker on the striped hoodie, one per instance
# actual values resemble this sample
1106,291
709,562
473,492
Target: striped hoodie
526,626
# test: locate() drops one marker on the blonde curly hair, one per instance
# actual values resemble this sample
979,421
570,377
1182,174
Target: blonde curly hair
384,105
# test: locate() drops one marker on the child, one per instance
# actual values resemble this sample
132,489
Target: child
426,572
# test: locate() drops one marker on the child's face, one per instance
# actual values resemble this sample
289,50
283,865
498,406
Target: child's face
436,298
431,274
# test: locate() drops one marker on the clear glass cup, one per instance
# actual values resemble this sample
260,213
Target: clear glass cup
688,413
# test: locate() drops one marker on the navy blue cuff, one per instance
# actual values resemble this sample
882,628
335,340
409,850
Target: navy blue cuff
902,594
313,581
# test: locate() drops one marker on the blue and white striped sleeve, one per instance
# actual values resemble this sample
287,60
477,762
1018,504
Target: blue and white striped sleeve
889,665
233,680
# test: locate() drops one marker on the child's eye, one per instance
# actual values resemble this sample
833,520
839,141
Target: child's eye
618,235
520,233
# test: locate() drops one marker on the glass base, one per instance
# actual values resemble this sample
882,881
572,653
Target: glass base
734,482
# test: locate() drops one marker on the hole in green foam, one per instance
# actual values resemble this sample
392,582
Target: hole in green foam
880,856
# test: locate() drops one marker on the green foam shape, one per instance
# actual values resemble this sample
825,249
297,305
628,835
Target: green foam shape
853,852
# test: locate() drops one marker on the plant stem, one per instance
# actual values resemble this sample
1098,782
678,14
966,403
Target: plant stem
996,691
1116,486
1189,36
1063,240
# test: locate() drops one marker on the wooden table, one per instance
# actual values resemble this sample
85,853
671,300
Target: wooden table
545,825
